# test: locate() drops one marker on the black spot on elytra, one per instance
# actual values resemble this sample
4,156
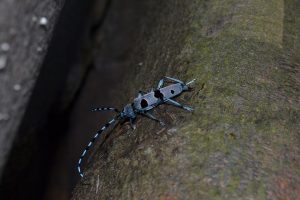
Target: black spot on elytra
172,91
144,103
158,94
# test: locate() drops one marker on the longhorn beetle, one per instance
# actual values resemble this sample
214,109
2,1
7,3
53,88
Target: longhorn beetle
141,105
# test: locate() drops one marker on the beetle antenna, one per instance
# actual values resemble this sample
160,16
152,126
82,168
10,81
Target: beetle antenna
92,141
105,109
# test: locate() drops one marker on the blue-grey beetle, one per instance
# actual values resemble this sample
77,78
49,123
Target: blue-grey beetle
141,105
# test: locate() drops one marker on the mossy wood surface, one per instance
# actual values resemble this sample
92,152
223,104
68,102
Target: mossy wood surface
242,140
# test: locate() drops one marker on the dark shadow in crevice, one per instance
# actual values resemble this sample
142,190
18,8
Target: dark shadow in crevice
52,136
44,123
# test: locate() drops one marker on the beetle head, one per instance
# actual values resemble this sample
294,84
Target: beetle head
128,112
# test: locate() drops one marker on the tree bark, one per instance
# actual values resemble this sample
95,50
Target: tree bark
242,140
24,40
30,140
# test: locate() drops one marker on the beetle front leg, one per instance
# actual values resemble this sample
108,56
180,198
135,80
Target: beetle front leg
132,124
141,93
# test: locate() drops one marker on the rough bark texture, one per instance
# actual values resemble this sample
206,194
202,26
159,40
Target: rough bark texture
242,141
24,40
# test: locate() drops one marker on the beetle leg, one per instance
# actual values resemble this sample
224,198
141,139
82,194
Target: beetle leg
141,93
185,85
154,118
160,83
132,124
190,82
175,103
175,80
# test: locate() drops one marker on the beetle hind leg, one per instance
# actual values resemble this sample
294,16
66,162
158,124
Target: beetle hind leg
161,82
175,80
190,82
175,103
